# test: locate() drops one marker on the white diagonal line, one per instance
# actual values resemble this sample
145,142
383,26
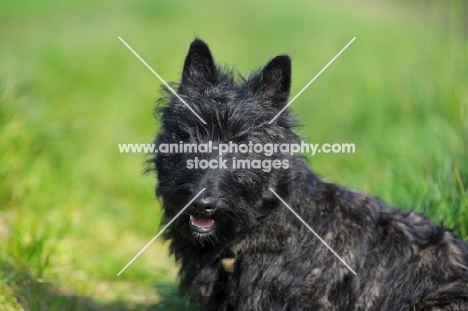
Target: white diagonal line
315,233
313,79
162,80
160,232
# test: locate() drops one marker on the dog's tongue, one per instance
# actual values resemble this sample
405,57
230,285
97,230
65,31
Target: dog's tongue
201,222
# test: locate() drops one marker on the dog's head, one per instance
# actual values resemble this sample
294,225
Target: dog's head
201,126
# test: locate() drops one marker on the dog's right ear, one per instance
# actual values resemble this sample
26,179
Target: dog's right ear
199,66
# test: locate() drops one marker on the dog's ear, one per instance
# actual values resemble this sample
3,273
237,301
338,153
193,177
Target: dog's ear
199,67
275,78
273,82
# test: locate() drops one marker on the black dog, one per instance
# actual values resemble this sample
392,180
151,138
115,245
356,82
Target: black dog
241,248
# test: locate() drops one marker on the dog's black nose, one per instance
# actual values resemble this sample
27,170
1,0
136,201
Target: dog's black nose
205,204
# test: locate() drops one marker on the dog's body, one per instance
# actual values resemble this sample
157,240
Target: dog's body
239,246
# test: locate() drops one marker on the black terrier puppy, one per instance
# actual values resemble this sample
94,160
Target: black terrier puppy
241,248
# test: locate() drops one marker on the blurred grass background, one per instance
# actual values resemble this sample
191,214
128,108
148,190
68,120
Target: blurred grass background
74,211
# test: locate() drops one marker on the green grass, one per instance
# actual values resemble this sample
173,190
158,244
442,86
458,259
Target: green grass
74,211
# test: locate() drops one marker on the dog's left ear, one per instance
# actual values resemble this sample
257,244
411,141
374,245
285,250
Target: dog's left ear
199,67
274,80
276,77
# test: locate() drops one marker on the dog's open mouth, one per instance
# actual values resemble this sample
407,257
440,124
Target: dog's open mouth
201,225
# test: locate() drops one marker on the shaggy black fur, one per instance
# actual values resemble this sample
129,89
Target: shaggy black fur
403,261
